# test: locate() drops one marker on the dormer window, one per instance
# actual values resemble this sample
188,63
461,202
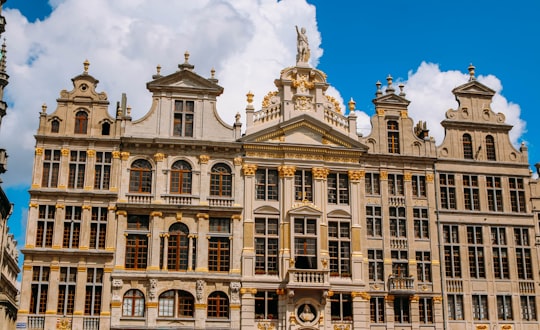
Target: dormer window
105,128
490,148
183,118
81,122
467,147
55,126
393,137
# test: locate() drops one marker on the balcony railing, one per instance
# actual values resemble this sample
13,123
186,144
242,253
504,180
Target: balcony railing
140,198
309,278
220,201
400,284
399,243
178,199
91,323
36,322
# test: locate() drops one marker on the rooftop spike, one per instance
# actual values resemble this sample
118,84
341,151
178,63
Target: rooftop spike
352,105
471,72
86,64
186,65
379,91
389,89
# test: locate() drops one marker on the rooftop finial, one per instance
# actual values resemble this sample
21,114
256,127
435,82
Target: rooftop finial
44,108
401,92
352,105
389,89
86,64
213,73
249,97
471,72
186,65
378,92
158,72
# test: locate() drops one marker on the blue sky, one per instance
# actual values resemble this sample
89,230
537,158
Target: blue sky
355,43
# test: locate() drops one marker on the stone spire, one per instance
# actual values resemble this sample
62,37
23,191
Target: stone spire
186,65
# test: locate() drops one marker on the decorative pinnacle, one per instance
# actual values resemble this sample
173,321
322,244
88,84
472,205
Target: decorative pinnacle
249,97
86,64
158,70
352,105
389,81
401,92
186,65
186,57
378,92
213,73
471,72
44,108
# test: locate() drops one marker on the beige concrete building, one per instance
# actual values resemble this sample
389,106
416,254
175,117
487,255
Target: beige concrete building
179,221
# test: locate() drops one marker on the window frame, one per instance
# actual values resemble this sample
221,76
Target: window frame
477,262
218,306
40,289
66,290
374,218
447,189
421,223
341,307
102,170
267,184
303,185
51,168
94,291
141,177
467,144
72,227
180,178
183,118
471,192
338,188
81,122
221,180
393,137
339,248
266,305
266,245
137,306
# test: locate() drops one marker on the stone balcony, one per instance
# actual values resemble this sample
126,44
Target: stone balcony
308,278
401,284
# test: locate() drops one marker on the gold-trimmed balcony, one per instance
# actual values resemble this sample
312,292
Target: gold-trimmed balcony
308,279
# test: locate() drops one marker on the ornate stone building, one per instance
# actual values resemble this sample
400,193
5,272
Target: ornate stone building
179,221
9,254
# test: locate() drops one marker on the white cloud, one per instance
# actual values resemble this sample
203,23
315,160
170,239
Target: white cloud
247,42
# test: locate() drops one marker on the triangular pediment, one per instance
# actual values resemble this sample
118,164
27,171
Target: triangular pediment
392,99
305,208
473,87
304,130
185,80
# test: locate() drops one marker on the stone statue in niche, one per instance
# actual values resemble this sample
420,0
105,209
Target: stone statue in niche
307,315
302,45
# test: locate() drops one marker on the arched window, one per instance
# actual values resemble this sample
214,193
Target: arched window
55,126
178,248
393,137
176,303
105,128
81,122
140,176
221,180
181,178
467,147
218,305
490,148
133,304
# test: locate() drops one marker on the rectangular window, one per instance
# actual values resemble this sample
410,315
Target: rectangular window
455,307
40,288
471,192
447,186
305,243
266,246
373,184
136,251
523,253
220,225
528,308
72,227
45,226
376,309
183,118
419,185
138,222
477,264
338,188
504,308
219,254
423,266
393,137
402,310
421,223
425,307
51,167
374,221
94,286
395,184
266,184
339,246
517,194
500,253
341,307
398,222
102,176
376,265
98,228
400,263
480,307
66,290
303,185
494,192
266,305
77,165
452,259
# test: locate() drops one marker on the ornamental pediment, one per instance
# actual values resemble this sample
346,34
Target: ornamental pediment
266,210
305,208
473,87
392,99
184,79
